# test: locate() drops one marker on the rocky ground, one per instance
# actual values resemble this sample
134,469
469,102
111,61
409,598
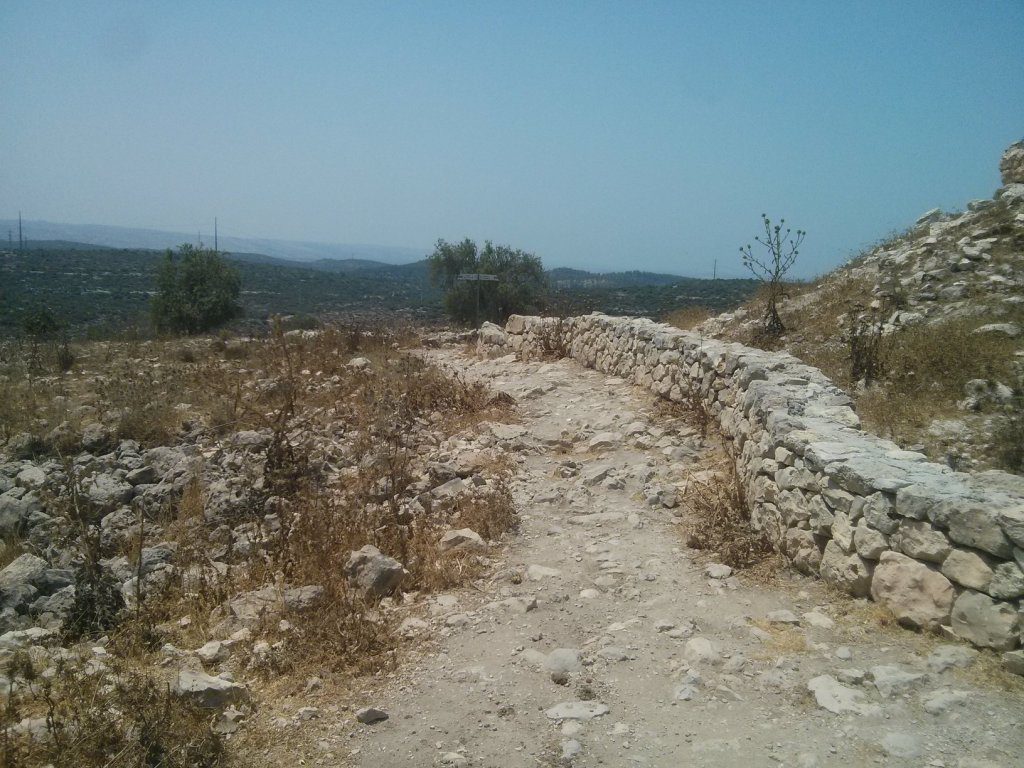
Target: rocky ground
600,639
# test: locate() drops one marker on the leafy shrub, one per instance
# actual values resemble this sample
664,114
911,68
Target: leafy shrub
520,289
195,292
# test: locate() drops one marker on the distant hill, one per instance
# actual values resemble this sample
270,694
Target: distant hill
155,239
99,287
565,278
108,289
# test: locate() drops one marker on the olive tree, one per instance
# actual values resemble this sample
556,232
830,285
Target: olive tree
521,286
782,248
197,289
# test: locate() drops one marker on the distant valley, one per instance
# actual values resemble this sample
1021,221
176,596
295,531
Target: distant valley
95,287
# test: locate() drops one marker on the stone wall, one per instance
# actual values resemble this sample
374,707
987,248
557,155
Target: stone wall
943,550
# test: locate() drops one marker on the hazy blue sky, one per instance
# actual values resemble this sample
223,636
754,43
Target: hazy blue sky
599,135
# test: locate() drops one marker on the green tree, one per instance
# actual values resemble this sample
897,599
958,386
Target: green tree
783,248
521,286
197,290
40,324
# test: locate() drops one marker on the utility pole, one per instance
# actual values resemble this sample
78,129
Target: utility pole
477,278
21,240
714,271
215,248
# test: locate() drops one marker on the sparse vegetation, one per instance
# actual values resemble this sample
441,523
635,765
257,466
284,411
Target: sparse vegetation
126,719
688,317
719,520
294,388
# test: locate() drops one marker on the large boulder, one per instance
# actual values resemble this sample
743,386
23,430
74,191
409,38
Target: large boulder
373,571
1011,165
985,622
918,596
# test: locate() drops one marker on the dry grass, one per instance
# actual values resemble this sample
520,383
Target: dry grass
123,719
719,519
783,640
687,317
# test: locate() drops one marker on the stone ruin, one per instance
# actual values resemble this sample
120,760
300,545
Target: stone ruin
943,550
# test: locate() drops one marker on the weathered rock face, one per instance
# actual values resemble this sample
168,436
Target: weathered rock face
1011,166
918,596
837,500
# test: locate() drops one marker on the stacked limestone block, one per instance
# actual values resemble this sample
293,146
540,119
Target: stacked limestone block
938,547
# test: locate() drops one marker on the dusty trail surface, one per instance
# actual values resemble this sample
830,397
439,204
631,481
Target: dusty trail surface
602,640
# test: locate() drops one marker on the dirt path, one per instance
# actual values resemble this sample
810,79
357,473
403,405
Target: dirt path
661,665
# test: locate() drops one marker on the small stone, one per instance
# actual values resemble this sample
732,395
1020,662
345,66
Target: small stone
370,715
818,620
374,571
541,572
577,710
213,652
570,749
700,649
985,622
685,693
717,571
836,698
209,692
462,540
612,653
782,617
565,661
851,676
